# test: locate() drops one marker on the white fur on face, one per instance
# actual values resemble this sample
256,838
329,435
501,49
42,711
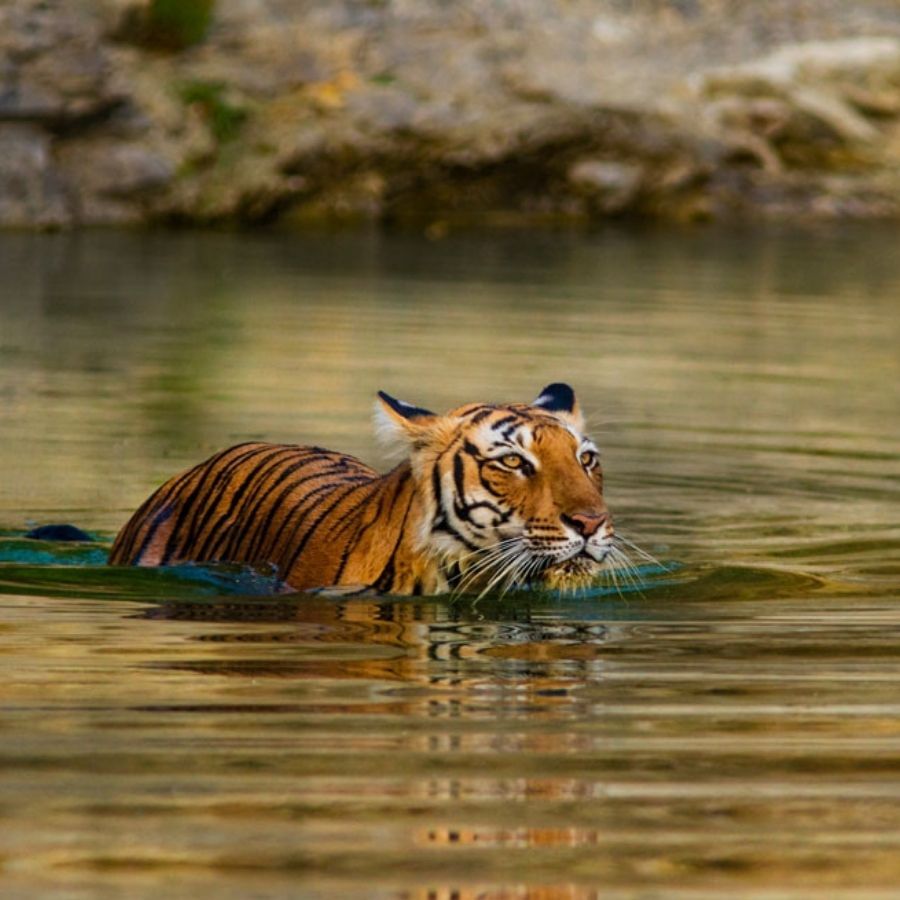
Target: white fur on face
520,441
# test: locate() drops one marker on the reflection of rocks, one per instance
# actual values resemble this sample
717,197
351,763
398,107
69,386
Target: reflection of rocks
439,645
466,112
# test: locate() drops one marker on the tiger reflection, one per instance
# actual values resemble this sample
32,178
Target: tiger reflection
518,892
462,657
430,661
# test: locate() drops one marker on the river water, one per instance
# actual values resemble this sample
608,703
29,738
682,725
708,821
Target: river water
728,726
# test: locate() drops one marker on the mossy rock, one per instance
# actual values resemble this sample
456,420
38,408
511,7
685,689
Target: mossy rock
224,117
168,25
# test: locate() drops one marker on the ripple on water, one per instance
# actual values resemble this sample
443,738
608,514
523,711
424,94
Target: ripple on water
731,728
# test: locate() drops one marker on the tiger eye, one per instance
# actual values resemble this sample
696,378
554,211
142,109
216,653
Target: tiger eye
588,458
511,461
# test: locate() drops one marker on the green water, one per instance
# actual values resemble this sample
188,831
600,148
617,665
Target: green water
731,729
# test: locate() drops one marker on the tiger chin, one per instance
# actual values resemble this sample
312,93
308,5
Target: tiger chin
487,497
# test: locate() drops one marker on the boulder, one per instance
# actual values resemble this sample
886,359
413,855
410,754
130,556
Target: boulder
112,182
32,192
54,69
612,186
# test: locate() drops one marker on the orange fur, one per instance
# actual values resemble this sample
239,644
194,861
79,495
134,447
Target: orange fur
487,495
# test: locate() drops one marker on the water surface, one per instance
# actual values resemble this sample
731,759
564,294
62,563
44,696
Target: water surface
730,729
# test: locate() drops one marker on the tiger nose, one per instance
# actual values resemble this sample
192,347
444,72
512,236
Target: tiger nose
586,524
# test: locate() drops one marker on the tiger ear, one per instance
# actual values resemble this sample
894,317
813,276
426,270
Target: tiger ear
559,399
396,420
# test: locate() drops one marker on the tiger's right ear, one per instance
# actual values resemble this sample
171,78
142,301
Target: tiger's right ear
395,419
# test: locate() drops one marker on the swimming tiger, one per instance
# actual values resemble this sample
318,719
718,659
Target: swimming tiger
488,496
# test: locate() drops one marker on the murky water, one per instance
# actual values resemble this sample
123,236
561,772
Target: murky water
732,729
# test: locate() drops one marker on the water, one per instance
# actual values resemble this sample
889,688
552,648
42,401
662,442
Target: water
729,730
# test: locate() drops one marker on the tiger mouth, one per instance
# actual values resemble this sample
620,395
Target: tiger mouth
568,574
582,557
579,562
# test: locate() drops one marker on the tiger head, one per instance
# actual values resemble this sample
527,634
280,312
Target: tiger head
512,493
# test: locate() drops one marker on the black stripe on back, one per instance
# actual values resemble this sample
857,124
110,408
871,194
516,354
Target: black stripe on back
311,528
361,530
190,507
211,534
244,538
161,516
261,538
151,506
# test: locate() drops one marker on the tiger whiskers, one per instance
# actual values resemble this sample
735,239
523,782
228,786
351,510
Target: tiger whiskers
509,563
497,556
449,558
501,570
648,556
509,573
481,551
625,568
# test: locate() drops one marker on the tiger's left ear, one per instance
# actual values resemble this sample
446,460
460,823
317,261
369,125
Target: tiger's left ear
395,419
559,399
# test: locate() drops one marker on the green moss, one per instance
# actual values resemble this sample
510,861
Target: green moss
225,118
176,24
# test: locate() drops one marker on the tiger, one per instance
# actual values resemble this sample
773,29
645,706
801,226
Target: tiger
487,496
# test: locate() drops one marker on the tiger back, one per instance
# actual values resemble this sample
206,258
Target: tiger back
487,496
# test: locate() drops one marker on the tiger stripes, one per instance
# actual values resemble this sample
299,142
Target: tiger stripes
488,495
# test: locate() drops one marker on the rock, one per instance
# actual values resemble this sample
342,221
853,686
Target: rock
864,59
114,169
112,182
32,194
427,111
56,70
58,533
611,186
162,26
817,86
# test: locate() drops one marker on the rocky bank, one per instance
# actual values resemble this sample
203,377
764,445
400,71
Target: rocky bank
435,114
